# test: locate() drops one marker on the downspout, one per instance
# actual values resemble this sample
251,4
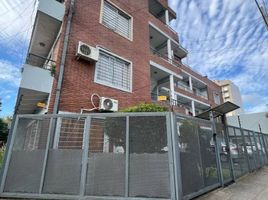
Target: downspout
63,57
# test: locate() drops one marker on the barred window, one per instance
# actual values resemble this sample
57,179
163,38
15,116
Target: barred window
113,72
116,20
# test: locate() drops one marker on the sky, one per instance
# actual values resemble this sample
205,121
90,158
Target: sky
226,39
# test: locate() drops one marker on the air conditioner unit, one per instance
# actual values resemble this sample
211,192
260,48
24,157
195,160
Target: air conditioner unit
108,104
87,52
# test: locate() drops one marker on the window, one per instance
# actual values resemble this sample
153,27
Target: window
217,98
113,71
116,20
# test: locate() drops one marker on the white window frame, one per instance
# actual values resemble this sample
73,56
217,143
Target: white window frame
110,85
130,18
217,95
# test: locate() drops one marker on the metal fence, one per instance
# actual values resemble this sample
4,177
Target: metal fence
125,156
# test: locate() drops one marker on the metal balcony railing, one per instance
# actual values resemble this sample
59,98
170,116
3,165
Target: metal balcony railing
184,87
35,60
198,93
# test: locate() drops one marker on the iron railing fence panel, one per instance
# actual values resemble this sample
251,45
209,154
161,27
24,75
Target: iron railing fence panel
126,156
106,157
225,150
257,150
148,157
27,156
250,149
63,168
198,156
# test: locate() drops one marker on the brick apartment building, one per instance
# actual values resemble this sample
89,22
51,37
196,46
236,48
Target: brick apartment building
138,58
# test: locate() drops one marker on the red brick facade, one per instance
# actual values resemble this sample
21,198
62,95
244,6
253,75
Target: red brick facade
78,81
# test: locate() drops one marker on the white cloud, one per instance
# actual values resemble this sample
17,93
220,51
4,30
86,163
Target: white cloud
16,20
226,40
9,73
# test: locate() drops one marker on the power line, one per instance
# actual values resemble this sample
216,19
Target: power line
263,13
228,34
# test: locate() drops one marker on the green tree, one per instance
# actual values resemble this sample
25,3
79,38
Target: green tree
3,130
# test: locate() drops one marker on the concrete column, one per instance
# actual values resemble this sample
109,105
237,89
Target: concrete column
172,92
169,50
167,17
190,83
193,108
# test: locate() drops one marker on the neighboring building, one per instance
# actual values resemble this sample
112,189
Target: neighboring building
251,121
137,59
231,92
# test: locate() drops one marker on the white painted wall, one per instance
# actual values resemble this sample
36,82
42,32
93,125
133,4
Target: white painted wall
52,8
35,78
251,121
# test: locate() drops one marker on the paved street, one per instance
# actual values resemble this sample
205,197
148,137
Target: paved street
251,187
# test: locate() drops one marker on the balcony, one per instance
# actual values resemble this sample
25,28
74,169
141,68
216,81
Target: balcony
46,28
183,86
166,48
35,87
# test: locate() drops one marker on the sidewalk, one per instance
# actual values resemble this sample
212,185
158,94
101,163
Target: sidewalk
251,187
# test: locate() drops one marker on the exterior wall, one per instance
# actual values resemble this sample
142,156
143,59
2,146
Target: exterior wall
33,76
251,121
78,82
234,95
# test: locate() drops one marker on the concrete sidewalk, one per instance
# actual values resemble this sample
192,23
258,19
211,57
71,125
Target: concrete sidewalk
251,187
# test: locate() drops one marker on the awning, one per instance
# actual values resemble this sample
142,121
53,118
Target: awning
219,110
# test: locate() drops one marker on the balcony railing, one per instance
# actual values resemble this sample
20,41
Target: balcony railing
184,87
197,93
166,58
34,60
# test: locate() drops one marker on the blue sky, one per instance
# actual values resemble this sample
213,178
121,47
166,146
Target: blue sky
226,39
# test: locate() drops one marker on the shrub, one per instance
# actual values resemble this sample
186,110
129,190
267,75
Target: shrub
2,153
146,107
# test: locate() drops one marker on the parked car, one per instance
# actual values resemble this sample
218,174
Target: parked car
224,149
233,149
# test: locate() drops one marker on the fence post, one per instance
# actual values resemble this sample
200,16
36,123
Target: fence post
230,156
170,156
244,143
264,144
51,124
8,153
127,159
251,146
257,148
217,152
86,136
176,156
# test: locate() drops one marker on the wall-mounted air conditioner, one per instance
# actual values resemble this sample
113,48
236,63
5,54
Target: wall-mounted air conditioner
108,104
87,52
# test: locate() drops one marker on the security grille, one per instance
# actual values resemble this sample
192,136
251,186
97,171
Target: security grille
113,72
116,19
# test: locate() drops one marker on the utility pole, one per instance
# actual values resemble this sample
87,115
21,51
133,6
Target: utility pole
263,13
